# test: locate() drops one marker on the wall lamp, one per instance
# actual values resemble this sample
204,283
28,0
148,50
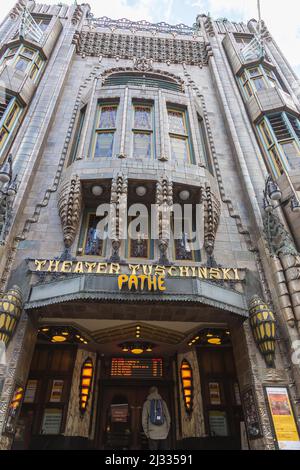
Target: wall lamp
272,193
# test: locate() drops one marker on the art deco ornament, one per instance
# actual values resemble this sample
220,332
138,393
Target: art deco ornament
263,325
10,312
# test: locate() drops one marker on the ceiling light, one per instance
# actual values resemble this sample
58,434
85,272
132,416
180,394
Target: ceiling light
141,191
184,195
97,190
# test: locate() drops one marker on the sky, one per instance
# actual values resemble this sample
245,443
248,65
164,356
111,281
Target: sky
282,18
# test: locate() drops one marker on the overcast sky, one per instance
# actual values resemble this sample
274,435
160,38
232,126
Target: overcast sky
282,18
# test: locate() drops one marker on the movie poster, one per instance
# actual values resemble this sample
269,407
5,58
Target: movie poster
283,418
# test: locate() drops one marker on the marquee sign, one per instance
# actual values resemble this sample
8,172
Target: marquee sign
145,273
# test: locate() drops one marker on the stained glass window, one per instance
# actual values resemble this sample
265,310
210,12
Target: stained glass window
142,145
22,64
183,250
104,144
179,137
105,131
94,243
177,122
142,132
108,117
139,248
142,118
179,148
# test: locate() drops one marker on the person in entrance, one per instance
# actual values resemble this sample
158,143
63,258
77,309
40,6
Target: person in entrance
156,420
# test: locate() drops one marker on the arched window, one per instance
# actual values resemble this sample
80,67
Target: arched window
153,80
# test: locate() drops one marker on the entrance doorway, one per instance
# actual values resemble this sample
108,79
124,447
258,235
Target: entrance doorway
120,415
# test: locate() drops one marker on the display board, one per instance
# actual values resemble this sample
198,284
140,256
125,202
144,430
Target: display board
143,368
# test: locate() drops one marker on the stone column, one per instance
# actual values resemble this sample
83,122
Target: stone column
19,355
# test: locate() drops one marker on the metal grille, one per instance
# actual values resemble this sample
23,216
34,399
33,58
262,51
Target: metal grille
180,29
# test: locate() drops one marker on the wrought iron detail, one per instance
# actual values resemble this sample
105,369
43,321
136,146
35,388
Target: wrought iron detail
29,28
133,26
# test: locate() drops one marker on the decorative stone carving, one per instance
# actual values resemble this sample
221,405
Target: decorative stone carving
278,238
208,23
164,204
212,211
77,15
10,312
124,46
265,32
286,260
17,9
69,206
119,190
143,64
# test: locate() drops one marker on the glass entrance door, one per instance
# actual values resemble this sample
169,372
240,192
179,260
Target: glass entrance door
221,398
121,416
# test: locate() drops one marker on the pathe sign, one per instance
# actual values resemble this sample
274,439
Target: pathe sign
142,282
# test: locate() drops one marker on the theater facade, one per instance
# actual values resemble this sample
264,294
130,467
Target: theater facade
149,232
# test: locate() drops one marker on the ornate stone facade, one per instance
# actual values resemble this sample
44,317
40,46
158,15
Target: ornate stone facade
155,114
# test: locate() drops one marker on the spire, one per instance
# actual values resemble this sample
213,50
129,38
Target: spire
255,49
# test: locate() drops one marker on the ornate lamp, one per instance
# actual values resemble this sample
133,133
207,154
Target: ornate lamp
186,375
85,386
6,171
295,204
263,325
137,347
10,312
273,190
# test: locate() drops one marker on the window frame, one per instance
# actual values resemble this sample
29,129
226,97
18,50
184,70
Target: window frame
9,129
277,145
186,136
247,81
196,254
88,213
99,130
35,62
137,130
150,242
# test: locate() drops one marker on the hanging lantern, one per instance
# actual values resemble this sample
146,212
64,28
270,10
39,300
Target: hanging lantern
186,375
85,387
263,326
10,312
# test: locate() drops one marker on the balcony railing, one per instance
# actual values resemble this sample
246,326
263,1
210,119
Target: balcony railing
252,51
29,28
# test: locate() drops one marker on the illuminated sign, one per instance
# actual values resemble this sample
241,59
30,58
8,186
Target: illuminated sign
142,282
140,270
143,368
